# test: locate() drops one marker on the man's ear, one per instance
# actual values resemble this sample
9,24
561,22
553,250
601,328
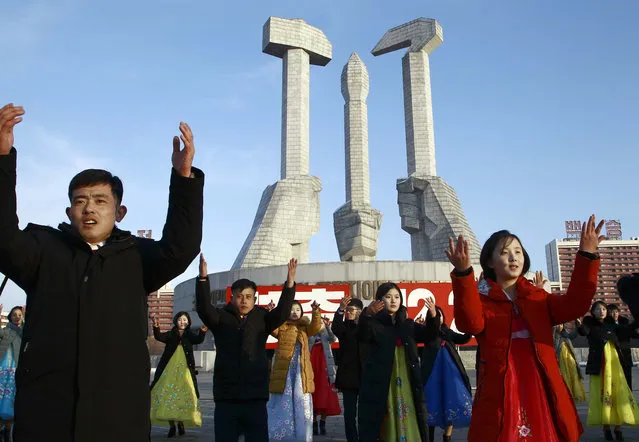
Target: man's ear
68,212
120,213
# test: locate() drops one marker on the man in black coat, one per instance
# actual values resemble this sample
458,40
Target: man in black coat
240,375
83,377
349,366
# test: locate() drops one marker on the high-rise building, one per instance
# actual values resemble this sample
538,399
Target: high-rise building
618,258
160,306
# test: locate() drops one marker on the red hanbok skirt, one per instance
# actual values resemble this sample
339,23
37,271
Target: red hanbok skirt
527,414
325,400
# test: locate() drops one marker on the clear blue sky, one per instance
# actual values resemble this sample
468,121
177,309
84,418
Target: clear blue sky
534,103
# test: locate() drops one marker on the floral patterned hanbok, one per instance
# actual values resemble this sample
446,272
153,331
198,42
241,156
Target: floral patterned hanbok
400,422
290,414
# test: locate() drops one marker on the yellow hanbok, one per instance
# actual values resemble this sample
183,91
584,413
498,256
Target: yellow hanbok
611,400
173,397
570,373
400,422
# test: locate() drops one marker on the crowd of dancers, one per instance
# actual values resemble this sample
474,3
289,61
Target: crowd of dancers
528,377
84,380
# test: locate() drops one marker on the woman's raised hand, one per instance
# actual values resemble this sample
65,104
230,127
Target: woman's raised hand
374,308
539,280
459,254
430,305
591,235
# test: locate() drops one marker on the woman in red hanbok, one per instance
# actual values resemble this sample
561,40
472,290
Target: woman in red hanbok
521,395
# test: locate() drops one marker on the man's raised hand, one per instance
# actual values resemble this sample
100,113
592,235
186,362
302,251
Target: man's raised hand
10,115
292,270
204,272
344,302
459,254
182,159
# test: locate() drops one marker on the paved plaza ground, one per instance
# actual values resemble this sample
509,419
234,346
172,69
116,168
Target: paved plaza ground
335,425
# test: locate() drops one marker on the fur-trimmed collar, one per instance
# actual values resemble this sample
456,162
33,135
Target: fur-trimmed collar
303,321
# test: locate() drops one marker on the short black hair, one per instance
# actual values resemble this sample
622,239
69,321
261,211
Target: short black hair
242,284
594,304
357,303
177,316
489,247
612,307
91,177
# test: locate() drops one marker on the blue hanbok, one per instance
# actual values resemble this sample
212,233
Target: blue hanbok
448,400
7,384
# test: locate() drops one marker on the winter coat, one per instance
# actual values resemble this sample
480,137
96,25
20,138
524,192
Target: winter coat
288,335
431,350
172,339
9,335
490,317
84,354
381,335
327,338
598,333
559,337
241,367
351,353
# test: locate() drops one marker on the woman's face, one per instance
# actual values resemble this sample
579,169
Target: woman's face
182,322
392,301
599,311
296,313
16,317
507,260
